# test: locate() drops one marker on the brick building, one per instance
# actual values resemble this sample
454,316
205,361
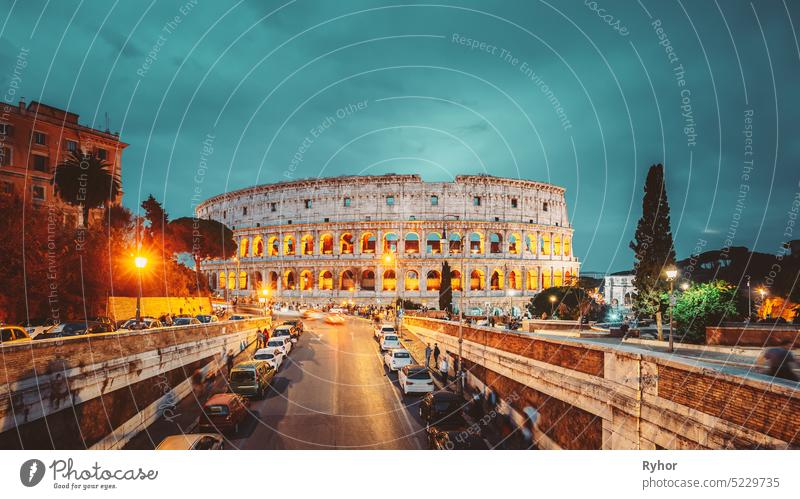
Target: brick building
37,137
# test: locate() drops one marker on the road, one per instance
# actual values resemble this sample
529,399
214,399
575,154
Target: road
332,393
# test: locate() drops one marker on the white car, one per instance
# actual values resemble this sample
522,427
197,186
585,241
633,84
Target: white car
397,358
414,378
144,323
389,341
281,343
273,356
383,329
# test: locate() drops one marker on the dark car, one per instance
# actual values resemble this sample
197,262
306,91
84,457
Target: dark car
456,437
74,328
223,412
440,408
252,378
104,320
206,318
297,324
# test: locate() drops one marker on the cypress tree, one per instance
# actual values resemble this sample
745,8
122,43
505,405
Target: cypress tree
445,288
653,247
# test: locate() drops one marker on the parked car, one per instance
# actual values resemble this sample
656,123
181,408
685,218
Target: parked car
297,324
239,317
389,341
251,378
223,412
144,323
74,328
397,358
415,378
440,408
455,438
192,441
104,320
273,356
185,321
281,344
12,334
384,329
207,318
36,327
284,332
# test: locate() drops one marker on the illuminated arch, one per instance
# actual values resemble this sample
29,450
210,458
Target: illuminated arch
533,280
390,241
346,244
545,249
289,245
347,282
369,243
242,280
557,244
477,280
258,280
547,278
389,280
454,242
244,247
307,245
514,280
433,280
412,280
289,280
567,246
411,242
306,280
258,246
530,243
495,243
326,280
223,283
326,244
496,281
433,243
476,243
273,281
231,280
273,246
514,244
558,278
455,280
368,280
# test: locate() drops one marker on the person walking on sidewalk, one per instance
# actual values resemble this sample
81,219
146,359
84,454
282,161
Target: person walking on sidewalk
229,362
260,339
443,369
436,353
428,352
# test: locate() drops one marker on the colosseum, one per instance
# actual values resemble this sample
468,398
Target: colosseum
373,239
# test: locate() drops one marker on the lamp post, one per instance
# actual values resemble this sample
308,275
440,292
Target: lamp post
265,294
749,304
389,259
140,262
462,249
552,305
763,293
672,273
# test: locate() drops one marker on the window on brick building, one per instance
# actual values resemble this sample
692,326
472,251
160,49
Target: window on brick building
390,200
434,200
307,203
347,202
514,202
5,156
476,201
544,206
6,130
40,163
8,188
38,192
102,155
72,146
39,138
273,207
244,210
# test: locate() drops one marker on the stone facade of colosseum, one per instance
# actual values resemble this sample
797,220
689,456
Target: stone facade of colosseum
376,238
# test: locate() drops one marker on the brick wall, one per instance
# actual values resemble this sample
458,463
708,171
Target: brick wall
124,307
755,336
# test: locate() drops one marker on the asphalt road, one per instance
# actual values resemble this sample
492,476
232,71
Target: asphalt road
332,393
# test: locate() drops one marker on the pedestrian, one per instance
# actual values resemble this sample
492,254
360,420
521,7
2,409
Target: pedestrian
443,369
229,362
261,343
436,353
428,352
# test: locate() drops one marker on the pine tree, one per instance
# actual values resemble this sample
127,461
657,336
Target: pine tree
154,213
445,288
653,247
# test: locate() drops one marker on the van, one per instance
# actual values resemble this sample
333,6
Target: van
251,378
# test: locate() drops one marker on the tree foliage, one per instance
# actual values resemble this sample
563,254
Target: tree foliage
570,303
702,305
653,247
85,180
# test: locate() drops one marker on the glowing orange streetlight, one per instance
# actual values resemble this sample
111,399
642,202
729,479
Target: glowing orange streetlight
139,262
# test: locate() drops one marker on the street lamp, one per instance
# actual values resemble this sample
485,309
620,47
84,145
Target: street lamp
684,286
139,262
763,293
389,259
672,273
552,304
265,294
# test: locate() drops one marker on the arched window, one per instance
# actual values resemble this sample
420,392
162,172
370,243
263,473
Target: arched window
412,280
496,242
533,280
514,244
307,244
476,243
326,280
368,280
514,281
433,280
346,244
496,281
346,281
231,280
530,243
273,246
288,245
547,281
454,240
289,280
567,246
258,246
258,280
558,279
545,244
273,281
557,244
390,243
242,280
326,244
433,242
244,247
476,280
567,278
306,280
455,280
368,242
222,280
389,280
412,242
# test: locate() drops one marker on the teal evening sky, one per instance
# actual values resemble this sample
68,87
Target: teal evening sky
583,94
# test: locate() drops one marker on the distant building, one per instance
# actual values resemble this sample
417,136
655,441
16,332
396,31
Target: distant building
618,290
37,137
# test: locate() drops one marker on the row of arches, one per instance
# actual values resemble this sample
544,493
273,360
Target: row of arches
475,243
354,280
